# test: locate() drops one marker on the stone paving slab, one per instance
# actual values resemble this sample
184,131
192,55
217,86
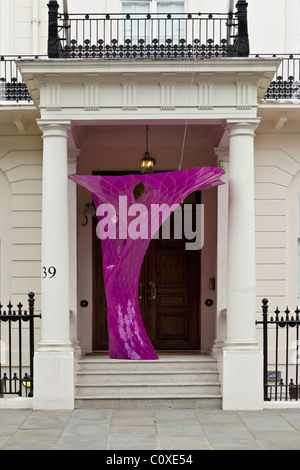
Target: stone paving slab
150,429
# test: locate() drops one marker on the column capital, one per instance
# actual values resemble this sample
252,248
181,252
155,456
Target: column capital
242,127
54,128
73,156
222,154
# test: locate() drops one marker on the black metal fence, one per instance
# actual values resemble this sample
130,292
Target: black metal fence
281,354
139,35
286,82
125,36
12,85
14,381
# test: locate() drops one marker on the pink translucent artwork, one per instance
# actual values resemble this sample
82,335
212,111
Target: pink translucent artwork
123,253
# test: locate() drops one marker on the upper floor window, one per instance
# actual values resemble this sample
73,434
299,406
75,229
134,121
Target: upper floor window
160,28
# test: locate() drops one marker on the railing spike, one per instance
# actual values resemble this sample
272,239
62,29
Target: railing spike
9,306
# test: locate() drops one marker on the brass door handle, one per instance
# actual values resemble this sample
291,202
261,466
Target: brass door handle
152,290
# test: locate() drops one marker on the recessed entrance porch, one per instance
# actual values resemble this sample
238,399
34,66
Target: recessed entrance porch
177,286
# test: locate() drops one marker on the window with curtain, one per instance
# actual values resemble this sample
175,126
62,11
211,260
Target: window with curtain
138,27
175,28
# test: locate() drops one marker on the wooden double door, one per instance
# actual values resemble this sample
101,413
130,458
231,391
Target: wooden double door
169,292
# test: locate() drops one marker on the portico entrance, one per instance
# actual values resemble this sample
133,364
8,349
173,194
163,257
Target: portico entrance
222,93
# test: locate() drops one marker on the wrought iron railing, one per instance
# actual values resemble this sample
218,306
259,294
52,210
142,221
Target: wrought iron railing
281,369
154,36
15,358
12,85
286,82
125,36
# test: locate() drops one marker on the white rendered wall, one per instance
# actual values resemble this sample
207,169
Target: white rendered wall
23,170
277,186
21,188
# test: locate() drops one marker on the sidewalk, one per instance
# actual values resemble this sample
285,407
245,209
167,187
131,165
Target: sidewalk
147,429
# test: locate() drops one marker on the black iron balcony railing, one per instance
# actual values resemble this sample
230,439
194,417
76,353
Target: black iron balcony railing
140,36
286,82
152,36
12,86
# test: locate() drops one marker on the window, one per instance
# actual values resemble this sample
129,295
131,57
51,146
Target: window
138,27
175,28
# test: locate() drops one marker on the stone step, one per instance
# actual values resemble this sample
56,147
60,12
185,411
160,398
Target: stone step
207,402
190,381
135,377
147,390
164,363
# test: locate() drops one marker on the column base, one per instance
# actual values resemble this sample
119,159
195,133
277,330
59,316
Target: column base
55,346
240,345
53,381
242,379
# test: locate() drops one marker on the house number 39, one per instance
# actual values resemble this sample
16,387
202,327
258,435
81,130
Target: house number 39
50,272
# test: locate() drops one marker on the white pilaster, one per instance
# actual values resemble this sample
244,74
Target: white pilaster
54,362
242,358
222,214
72,169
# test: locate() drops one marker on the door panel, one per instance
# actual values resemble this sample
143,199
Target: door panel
174,313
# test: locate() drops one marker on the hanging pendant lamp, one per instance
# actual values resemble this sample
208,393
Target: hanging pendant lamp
147,163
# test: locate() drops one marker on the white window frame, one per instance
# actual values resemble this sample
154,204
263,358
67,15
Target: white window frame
159,25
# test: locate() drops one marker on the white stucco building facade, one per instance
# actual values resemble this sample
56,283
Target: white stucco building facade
88,116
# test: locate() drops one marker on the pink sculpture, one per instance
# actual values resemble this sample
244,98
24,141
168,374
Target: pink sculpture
124,251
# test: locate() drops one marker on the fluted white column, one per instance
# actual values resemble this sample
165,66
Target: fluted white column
242,367
54,378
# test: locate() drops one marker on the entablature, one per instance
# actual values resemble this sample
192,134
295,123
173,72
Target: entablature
158,89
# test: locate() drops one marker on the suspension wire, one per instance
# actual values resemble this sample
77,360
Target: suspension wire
188,112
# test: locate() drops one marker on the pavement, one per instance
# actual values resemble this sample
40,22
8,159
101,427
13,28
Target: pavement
149,430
